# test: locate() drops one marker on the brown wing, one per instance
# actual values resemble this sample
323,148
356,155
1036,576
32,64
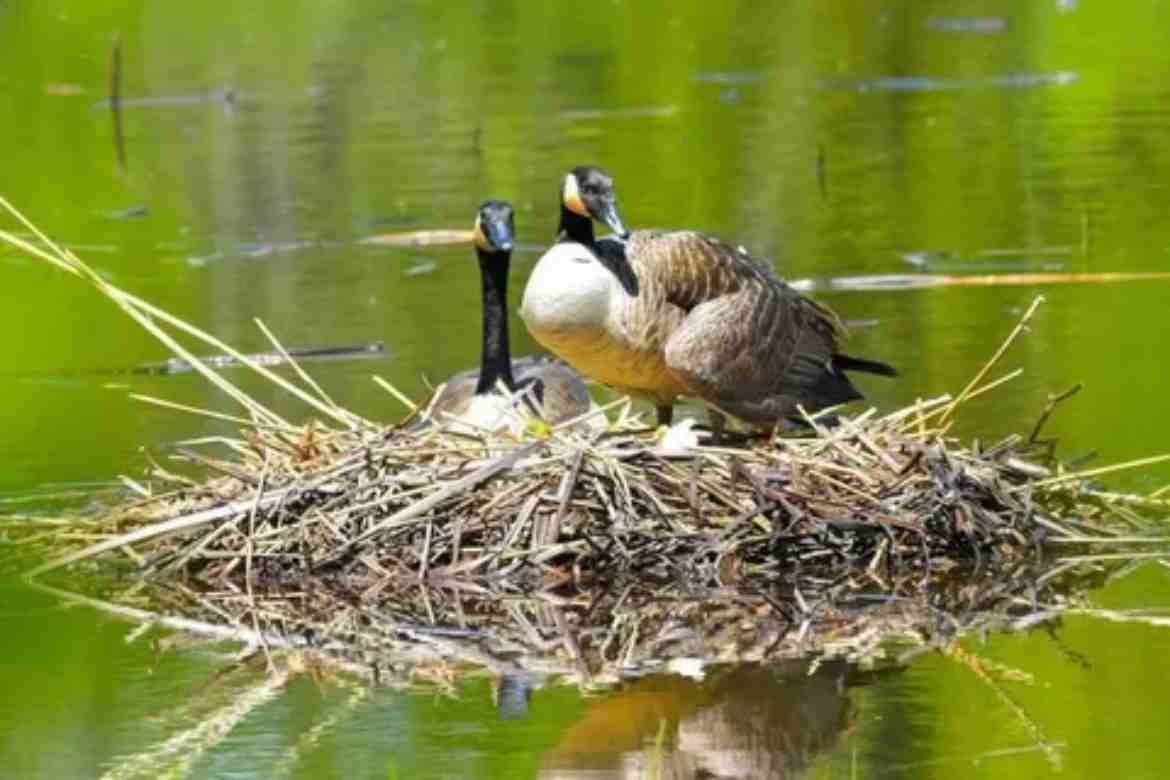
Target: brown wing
691,267
562,392
456,395
749,344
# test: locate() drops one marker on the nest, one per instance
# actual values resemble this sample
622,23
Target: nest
869,500
341,519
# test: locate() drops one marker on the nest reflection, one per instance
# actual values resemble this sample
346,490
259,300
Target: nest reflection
723,682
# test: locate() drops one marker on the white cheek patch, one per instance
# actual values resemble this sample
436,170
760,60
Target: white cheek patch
572,196
480,239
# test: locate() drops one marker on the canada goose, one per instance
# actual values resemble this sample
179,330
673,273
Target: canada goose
706,321
471,396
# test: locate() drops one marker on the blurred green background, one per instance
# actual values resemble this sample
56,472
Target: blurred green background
264,140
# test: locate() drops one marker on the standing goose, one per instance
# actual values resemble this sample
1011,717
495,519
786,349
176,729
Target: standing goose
472,396
705,320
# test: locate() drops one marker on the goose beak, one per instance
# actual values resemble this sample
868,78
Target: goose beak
609,215
499,233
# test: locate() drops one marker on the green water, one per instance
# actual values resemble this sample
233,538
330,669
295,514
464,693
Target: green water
834,139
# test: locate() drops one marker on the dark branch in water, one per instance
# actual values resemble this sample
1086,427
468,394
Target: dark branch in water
354,352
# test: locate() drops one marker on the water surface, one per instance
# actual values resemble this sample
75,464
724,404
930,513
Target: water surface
264,141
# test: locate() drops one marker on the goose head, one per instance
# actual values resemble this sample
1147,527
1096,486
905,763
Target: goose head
587,194
495,228
570,291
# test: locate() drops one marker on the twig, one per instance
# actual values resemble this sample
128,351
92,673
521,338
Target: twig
999,353
1049,408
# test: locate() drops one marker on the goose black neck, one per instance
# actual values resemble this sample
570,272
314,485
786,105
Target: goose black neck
495,357
575,227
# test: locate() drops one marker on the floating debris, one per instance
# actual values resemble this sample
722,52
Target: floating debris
372,351
729,96
729,76
64,90
416,238
933,84
976,25
926,259
950,262
423,268
106,249
254,250
1039,250
925,280
223,97
200,261
126,214
638,112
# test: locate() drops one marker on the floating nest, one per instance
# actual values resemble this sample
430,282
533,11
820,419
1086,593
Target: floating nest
598,540
865,502
341,500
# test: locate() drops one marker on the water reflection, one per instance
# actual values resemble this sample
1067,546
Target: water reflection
722,684
742,721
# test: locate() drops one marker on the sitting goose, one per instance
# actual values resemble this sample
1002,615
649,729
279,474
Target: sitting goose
706,320
472,396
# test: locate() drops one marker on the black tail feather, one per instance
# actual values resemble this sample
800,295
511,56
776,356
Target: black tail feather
847,363
830,389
